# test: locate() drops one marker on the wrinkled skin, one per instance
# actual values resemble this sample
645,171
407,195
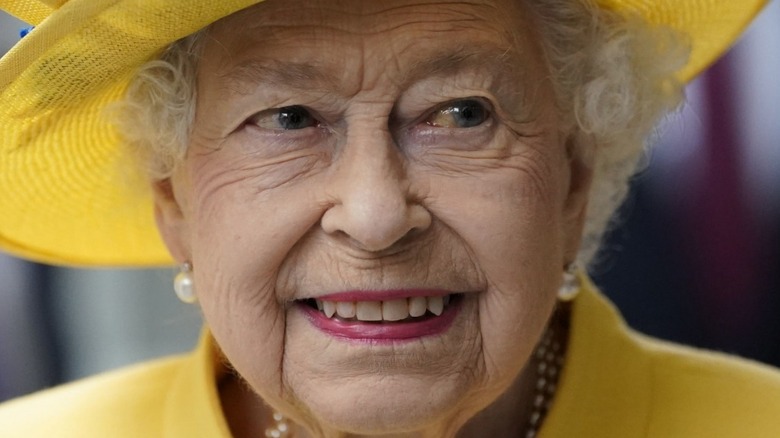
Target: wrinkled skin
376,183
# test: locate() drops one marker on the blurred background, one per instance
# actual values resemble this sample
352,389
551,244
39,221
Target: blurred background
694,258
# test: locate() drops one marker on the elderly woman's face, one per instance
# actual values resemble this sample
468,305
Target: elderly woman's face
400,164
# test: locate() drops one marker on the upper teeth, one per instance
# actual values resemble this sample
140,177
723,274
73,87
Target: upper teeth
391,310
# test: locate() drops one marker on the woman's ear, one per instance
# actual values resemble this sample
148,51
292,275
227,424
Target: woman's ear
580,151
171,220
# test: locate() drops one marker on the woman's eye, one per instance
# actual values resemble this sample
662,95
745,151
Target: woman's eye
461,114
284,119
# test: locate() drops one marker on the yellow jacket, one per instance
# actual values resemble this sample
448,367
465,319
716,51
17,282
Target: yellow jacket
615,384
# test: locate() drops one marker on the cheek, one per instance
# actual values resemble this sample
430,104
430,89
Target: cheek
511,216
240,237
511,221
246,213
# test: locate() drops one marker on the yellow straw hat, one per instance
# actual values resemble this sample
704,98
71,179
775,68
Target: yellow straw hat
66,193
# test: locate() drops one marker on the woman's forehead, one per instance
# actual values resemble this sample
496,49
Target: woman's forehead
372,16
317,41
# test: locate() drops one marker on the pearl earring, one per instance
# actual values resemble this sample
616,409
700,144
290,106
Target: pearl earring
570,287
183,284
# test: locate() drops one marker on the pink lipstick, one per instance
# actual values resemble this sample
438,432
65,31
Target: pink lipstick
383,316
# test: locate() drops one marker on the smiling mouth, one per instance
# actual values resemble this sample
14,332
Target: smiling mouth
401,310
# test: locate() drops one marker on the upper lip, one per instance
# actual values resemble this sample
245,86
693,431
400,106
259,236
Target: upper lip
384,295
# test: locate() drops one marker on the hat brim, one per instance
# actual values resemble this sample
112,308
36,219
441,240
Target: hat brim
70,197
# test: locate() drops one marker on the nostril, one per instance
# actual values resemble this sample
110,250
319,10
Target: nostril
419,218
375,228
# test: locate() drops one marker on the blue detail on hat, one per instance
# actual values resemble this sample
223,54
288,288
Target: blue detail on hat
25,30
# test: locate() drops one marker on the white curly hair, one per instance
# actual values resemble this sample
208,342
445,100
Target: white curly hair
613,75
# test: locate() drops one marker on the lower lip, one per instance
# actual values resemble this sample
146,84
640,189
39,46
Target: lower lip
383,331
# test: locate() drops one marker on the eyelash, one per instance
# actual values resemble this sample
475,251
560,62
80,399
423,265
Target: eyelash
483,108
294,113
433,119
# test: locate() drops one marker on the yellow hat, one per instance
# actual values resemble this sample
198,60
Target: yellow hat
66,194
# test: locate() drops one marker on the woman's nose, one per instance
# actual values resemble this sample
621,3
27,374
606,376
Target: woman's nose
373,205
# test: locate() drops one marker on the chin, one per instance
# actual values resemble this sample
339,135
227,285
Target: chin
386,404
377,387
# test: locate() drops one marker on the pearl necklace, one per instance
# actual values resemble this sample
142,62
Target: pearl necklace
549,361
548,355
280,428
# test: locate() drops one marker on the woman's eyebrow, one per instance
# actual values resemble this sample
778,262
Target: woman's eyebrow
451,62
245,76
